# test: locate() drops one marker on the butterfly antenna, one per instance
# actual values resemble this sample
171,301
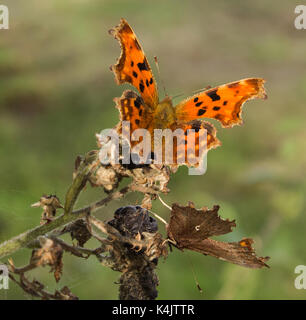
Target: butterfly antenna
178,95
193,92
200,90
159,76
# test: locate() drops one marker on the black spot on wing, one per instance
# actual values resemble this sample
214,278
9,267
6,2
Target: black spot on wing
213,95
198,104
137,102
135,75
143,66
216,108
141,86
201,112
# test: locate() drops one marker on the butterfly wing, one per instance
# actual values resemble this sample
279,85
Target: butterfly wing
180,150
133,110
223,103
133,66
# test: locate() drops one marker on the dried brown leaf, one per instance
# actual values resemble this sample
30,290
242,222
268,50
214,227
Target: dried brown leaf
189,222
49,204
51,254
190,228
106,177
79,231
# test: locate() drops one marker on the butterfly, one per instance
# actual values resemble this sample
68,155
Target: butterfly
146,111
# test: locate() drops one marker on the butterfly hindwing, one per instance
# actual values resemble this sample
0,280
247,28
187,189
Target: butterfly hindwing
133,110
223,103
201,146
133,66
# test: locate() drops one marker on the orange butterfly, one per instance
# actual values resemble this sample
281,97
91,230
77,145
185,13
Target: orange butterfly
223,103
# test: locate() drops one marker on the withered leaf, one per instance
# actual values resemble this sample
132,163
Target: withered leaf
155,245
190,228
50,254
49,204
234,252
106,177
79,231
197,224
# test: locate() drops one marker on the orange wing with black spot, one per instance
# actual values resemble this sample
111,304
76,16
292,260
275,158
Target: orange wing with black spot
134,111
180,150
133,66
223,103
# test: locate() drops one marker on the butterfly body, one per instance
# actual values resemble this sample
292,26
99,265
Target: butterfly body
164,115
223,103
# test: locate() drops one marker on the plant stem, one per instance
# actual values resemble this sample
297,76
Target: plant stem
24,239
80,180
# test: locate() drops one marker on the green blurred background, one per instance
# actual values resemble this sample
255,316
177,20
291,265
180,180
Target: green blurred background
56,92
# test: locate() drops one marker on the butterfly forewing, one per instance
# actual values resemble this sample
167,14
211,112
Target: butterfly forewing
223,103
133,66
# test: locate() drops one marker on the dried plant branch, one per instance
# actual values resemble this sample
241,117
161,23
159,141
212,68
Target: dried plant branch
101,203
75,250
131,243
36,289
24,239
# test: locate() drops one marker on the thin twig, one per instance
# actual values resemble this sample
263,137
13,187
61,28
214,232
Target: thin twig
101,203
158,217
164,203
